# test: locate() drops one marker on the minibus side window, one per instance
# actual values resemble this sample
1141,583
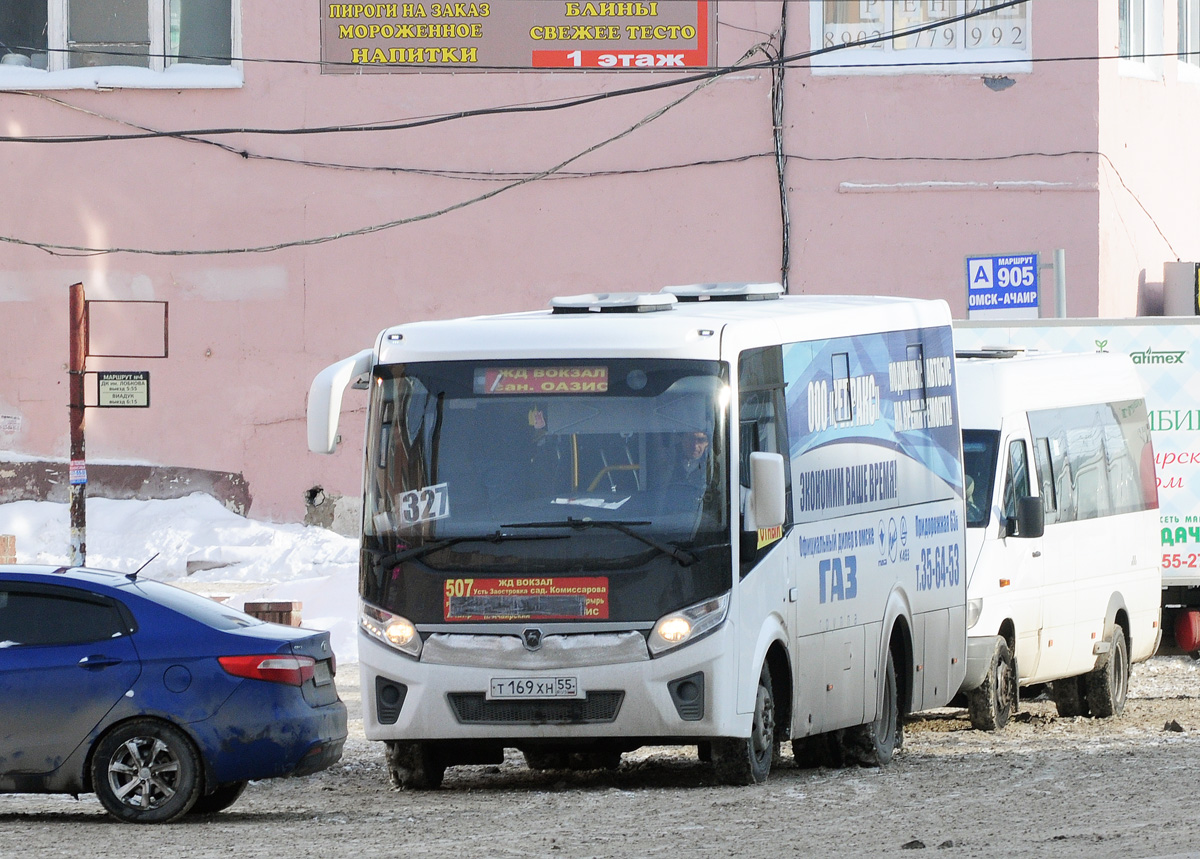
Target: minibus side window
1016,481
1045,472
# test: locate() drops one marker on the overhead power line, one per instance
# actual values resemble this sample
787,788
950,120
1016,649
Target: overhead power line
80,250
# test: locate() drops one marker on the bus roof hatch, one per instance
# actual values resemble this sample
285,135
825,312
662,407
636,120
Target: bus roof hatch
612,302
725,291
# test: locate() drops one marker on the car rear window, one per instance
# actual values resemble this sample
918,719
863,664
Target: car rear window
202,609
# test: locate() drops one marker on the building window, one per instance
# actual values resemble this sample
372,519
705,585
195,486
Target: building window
868,31
55,35
1189,32
1133,28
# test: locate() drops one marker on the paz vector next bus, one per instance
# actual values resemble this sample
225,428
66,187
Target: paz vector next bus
713,515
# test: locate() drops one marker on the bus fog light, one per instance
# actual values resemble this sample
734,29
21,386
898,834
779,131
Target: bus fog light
687,625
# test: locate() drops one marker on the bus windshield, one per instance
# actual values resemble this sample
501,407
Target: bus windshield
548,468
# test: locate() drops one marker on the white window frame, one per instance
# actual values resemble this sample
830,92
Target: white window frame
1144,61
1131,32
1188,40
160,74
885,59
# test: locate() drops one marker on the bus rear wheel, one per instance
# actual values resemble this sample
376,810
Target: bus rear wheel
876,743
748,760
414,766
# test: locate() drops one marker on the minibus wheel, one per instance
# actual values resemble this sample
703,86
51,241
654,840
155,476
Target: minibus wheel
1108,683
994,700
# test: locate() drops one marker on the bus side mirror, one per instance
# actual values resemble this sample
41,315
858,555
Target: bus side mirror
1030,520
325,399
765,506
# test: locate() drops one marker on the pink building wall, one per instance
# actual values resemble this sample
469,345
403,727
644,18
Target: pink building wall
249,330
1148,122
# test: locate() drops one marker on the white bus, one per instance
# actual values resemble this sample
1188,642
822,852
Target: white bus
1062,530
712,515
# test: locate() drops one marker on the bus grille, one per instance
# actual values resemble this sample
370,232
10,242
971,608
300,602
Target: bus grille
471,708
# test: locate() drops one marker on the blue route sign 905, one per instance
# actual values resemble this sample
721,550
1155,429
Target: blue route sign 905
1002,287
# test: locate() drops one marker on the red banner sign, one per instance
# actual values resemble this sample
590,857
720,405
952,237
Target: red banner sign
578,598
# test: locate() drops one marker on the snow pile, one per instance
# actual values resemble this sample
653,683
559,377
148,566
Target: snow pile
198,544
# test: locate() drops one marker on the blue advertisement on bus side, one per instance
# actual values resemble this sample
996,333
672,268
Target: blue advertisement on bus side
873,422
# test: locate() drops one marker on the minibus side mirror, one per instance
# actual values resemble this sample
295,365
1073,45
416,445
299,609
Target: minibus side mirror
1030,521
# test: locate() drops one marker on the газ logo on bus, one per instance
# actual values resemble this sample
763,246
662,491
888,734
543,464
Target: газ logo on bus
532,638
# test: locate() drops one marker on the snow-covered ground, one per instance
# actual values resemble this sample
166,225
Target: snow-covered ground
198,544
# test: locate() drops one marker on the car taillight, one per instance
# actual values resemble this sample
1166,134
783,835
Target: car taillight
293,670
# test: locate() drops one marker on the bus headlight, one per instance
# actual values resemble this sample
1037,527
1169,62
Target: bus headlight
687,625
974,609
393,630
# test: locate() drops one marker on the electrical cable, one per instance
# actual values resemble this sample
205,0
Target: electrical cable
80,250
778,75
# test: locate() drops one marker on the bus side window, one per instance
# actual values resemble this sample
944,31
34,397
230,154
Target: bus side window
762,421
762,424
1016,481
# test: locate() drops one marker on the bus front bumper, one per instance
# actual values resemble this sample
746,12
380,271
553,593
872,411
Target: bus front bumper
684,694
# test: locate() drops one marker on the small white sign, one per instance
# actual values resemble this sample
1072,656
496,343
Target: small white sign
424,505
130,390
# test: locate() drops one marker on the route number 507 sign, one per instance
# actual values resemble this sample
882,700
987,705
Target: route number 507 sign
1002,287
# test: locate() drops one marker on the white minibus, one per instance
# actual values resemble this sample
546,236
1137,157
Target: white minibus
1064,582
712,515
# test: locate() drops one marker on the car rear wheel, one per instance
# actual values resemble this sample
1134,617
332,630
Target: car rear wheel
146,771
220,799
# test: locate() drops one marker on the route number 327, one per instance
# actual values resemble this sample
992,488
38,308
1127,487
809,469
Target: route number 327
424,505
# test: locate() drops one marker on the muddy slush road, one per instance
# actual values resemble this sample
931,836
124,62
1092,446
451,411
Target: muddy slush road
1045,786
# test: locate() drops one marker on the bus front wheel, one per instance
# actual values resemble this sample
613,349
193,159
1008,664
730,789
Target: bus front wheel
748,760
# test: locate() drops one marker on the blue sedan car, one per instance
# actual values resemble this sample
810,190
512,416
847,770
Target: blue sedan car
159,701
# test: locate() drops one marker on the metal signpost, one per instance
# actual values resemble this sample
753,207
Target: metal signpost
115,389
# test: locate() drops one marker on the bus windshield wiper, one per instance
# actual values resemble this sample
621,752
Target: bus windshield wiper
393,558
683,556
